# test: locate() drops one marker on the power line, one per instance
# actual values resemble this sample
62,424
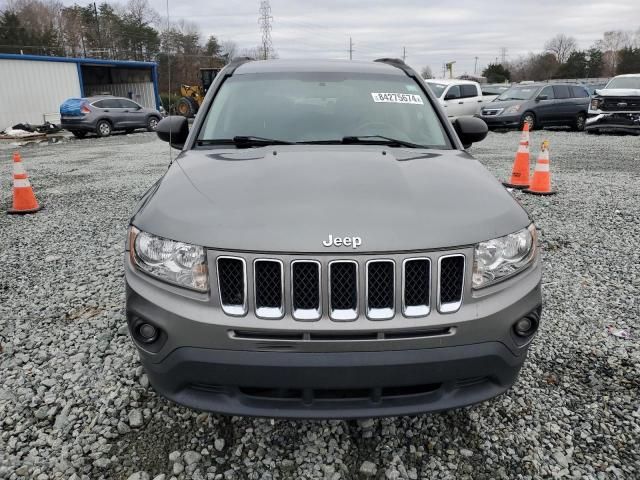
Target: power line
265,20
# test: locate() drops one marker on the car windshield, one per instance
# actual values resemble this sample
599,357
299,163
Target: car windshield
518,93
323,107
625,82
437,88
494,89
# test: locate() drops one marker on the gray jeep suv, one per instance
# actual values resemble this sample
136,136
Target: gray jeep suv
324,247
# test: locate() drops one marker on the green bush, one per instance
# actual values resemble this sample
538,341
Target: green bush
169,106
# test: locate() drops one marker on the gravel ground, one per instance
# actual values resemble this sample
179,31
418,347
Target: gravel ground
75,402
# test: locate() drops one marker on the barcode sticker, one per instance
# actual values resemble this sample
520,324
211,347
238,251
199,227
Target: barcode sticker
397,98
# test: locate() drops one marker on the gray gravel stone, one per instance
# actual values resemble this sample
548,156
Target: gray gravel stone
368,469
135,418
191,457
71,378
139,476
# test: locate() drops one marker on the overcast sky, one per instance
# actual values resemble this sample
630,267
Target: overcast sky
432,31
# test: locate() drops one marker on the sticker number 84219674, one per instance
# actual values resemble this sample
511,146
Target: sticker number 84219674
397,98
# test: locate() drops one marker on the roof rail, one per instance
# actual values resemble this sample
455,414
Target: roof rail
391,61
398,63
236,62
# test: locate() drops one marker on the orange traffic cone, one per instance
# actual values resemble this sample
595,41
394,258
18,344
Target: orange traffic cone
24,200
520,172
18,169
541,183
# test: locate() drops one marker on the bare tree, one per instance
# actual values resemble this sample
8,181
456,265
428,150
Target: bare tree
561,46
426,72
141,12
228,50
610,45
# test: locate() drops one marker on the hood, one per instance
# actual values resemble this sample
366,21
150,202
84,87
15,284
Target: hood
503,103
618,92
291,198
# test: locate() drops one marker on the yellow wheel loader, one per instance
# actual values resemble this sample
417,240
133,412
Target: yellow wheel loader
193,95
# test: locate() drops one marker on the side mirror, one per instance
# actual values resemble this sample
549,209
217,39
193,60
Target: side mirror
173,129
542,97
450,96
470,130
596,91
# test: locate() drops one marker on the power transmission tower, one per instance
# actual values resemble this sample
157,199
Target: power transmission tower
265,20
404,54
504,54
350,49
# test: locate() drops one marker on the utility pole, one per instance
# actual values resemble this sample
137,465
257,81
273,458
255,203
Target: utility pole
350,49
404,54
265,20
475,68
95,12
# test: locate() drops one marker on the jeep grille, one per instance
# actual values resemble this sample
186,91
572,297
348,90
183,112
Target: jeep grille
307,288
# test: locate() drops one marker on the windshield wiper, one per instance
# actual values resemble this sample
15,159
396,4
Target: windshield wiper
243,141
382,140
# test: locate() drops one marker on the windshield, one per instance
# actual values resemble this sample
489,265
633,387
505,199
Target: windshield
519,93
316,107
437,88
494,89
625,82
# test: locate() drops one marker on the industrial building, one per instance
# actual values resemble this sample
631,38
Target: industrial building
32,87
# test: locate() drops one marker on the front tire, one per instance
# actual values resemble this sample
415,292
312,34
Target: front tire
103,128
152,124
187,107
529,118
579,122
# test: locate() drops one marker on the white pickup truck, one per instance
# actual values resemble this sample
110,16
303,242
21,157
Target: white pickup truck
459,98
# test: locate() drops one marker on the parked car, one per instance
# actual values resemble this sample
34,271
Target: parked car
616,107
458,97
324,247
491,91
105,114
540,105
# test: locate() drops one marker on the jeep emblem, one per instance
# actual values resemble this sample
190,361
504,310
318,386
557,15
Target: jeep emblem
353,242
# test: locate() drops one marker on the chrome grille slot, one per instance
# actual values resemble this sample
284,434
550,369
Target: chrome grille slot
305,290
380,289
451,281
232,285
343,290
416,287
268,288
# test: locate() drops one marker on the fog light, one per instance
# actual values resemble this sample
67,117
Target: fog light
525,327
148,333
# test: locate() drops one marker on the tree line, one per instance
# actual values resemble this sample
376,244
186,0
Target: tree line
616,53
118,31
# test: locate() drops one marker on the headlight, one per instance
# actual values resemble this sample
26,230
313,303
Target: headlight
497,259
512,109
174,262
595,103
